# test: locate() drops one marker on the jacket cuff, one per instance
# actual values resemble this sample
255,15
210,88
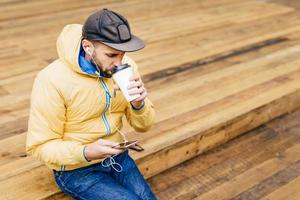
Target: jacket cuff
84,155
141,109
80,154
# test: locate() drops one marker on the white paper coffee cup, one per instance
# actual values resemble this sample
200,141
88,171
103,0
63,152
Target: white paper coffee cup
122,77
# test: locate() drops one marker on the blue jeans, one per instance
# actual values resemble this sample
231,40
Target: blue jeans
104,182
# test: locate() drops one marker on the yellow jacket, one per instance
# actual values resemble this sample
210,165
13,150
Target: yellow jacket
70,108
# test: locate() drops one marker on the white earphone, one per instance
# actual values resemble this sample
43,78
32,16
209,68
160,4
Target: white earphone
88,50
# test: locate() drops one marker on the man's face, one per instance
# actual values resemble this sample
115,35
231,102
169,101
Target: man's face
106,57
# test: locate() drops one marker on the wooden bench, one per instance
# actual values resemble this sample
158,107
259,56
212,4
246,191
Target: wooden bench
211,79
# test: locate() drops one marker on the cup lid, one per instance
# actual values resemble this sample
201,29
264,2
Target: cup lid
120,68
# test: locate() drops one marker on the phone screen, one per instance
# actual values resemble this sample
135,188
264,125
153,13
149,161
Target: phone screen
126,144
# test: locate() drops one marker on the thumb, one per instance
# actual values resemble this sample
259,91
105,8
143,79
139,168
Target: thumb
116,87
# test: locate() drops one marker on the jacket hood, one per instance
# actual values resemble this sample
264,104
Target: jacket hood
69,44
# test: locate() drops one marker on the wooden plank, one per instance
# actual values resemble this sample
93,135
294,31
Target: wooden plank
20,10
9,154
43,185
21,65
288,192
267,10
290,3
248,179
18,167
267,185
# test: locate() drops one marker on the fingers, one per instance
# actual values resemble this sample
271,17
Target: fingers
140,91
116,87
107,143
135,77
142,97
109,151
137,87
135,84
107,147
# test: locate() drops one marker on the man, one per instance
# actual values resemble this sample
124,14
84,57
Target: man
76,114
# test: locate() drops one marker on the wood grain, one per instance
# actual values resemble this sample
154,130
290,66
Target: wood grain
219,69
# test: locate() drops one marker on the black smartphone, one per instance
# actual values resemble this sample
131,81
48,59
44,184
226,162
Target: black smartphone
125,145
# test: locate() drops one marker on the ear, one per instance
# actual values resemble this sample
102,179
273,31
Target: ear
87,46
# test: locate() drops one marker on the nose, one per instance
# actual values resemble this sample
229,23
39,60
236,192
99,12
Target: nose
118,59
117,62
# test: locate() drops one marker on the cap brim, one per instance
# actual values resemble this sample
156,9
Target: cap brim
134,44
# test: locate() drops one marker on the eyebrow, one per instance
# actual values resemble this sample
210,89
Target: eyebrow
113,53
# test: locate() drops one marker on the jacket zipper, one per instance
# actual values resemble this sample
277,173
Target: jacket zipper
107,104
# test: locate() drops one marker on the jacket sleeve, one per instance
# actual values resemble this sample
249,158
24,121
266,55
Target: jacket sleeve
141,120
46,126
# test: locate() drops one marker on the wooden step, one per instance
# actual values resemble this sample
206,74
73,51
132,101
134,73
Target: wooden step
262,164
210,80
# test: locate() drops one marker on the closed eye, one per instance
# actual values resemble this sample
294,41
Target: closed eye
111,55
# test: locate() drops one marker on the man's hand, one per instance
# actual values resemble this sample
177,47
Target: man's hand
137,87
101,149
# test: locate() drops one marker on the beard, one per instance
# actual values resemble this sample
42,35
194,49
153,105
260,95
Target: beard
100,68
